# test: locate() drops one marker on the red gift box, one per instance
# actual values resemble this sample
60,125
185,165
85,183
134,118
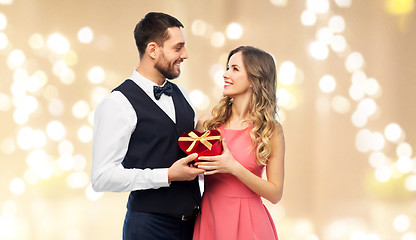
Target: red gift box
205,144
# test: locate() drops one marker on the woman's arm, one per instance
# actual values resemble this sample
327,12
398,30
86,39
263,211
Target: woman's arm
270,189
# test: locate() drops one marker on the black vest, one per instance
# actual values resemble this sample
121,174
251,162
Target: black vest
154,144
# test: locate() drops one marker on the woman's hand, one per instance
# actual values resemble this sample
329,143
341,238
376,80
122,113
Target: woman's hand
224,163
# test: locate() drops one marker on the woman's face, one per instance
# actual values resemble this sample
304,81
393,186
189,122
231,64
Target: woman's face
236,81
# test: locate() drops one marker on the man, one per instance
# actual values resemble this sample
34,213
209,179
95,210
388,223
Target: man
138,126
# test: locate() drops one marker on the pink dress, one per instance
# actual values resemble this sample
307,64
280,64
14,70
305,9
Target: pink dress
230,210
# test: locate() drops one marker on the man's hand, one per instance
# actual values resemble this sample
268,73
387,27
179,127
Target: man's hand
182,171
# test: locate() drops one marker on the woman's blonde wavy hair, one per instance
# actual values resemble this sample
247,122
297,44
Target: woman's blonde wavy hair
261,71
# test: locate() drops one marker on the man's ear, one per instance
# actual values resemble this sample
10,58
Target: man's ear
153,49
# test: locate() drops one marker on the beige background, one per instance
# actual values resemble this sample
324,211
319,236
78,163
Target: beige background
331,190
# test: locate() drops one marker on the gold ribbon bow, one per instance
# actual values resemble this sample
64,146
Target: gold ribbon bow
203,139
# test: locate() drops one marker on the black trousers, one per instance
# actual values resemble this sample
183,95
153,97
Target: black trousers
150,226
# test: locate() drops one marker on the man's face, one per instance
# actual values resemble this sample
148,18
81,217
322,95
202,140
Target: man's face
172,54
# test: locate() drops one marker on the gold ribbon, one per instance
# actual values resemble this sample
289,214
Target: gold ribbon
203,139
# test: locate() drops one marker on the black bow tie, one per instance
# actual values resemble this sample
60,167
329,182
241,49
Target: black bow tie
166,89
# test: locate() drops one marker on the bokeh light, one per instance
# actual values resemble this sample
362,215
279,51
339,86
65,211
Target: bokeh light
85,35
234,31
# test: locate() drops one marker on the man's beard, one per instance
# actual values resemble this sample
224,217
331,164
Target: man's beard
167,70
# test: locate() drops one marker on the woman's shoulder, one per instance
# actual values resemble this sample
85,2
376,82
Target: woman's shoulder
278,131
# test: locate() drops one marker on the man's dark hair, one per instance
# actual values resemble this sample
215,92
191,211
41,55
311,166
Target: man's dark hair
153,28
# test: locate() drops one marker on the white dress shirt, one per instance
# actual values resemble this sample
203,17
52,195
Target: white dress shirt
114,121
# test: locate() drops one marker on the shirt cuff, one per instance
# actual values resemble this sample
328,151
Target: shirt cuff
160,177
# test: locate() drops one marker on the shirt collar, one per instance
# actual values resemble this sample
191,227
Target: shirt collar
144,83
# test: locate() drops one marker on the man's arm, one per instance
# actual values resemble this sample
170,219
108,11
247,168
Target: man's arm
114,122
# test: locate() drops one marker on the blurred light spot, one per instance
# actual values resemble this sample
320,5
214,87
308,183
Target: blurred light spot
372,87
67,76
5,102
96,75
85,134
217,39
199,99
20,116
7,223
404,164
91,194
356,92
401,223
337,24
39,139
216,72
286,99
367,106
279,3
29,104
30,176
33,84
323,105
287,73
66,148
80,109
363,140
17,186
354,62
338,43
59,67
324,35
343,3
399,7
6,2
327,84
36,41
410,183
308,18
199,27
318,6
85,35
409,236
7,146
23,138
318,50
55,130
66,162
311,237
80,162
383,173
58,43
16,59
71,58
393,132
35,157
3,21
404,150
378,159
98,93
359,119
4,41
56,107
377,141
77,180
340,104
234,31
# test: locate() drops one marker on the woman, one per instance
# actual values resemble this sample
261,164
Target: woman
252,140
